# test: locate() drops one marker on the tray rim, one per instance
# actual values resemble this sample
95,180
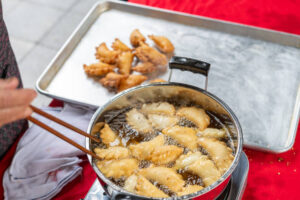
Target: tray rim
108,4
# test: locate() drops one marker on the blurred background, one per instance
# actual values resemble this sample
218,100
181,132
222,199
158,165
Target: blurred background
36,42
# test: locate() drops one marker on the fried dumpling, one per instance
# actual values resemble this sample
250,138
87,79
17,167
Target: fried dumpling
165,154
158,108
143,150
196,115
118,45
130,183
105,55
213,132
220,153
163,43
112,153
187,159
118,168
131,81
164,176
149,54
161,121
124,62
98,69
108,136
144,68
112,80
136,38
189,189
146,188
183,135
138,121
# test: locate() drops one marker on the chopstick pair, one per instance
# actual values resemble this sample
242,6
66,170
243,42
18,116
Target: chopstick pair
58,134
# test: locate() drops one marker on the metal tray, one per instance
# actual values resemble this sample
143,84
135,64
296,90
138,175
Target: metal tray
237,183
255,71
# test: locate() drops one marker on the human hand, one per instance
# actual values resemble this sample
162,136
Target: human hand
14,103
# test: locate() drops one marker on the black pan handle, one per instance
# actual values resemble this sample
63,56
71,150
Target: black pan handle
189,64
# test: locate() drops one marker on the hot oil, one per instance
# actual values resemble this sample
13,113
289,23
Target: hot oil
191,179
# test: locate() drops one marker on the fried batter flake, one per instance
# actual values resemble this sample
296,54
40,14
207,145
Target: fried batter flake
118,45
105,55
163,43
158,80
145,68
131,81
112,80
98,69
124,62
149,54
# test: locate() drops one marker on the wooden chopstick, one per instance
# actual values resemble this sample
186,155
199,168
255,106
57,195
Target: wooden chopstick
63,123
61,136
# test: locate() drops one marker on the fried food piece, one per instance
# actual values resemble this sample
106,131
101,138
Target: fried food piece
108,136
118,45
145,68
105,55
98,69
164,176
163,43
136,37
112,80
124,62
183,135
213,132
158,80
159,108
143,150
161,121
189,189
138,121
118,168
149,54
196,115
165,154
131,81
112,153
220,153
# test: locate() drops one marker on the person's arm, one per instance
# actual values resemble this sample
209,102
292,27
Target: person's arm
14,103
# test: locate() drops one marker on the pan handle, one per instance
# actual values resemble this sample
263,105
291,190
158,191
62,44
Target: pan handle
189,64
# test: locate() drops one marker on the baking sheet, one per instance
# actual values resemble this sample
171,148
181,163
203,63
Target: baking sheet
259,80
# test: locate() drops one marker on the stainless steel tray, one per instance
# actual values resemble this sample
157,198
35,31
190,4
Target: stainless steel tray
255,71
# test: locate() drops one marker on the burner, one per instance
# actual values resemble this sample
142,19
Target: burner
233,191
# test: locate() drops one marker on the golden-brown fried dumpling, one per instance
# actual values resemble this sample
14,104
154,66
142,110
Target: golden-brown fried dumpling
213,132
136,37
158,80
158,108
112,153
165,154
118,168
164,176
118,45
143,150
161,121
124,62
196,115
131,81
163,43
98,69
138,121
149,54
105,55
183,135
218,151
187,159
189,189
130,183
146,188
144,68
112,80
108,136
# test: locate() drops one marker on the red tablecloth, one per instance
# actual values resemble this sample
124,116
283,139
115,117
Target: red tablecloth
270,176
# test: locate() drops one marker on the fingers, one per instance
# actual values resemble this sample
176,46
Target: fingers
12,114
10,83
16,98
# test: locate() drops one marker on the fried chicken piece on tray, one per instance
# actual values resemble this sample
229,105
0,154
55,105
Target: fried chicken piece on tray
136,37
163,43
145,68
149,54
112,80
124,62
118,45
131,81
98,69
105,55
